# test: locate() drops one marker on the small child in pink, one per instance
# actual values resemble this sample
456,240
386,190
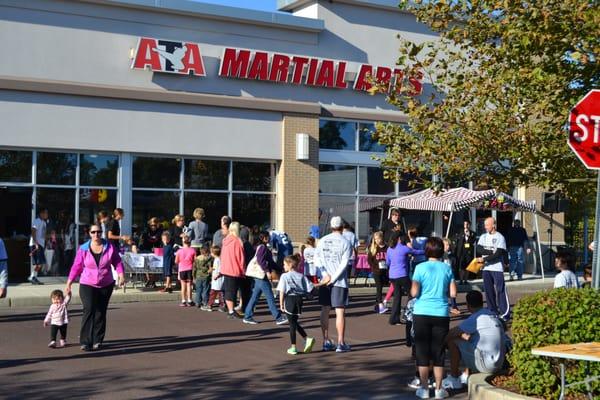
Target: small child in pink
185,257
58,318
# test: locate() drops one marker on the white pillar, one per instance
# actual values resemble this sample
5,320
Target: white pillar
124,193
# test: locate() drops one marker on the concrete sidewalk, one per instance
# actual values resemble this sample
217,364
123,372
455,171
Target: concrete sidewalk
28,295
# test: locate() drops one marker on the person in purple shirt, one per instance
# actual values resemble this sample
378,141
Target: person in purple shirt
93,266
397,259
264,258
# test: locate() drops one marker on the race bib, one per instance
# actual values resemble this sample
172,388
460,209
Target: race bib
382,265
467,245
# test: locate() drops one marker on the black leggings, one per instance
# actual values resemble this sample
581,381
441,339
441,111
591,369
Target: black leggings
93,321
401,286
380,277
54,329
295,326
430,336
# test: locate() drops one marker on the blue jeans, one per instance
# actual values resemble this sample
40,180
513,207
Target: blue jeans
202,290
517,263
262,286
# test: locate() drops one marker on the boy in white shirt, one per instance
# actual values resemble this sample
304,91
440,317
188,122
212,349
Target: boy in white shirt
37,244
565,278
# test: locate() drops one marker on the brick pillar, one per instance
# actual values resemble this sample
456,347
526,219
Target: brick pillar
298,180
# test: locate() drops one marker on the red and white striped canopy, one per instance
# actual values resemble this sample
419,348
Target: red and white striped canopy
460,198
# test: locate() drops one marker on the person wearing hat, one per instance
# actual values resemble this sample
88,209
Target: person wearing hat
331,258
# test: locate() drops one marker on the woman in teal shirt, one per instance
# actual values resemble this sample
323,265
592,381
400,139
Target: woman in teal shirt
432,282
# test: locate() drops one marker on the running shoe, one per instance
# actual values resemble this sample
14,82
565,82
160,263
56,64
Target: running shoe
292,351
281,320
441,393
452,382
328,346
415,383
310,342
342,348
249,321
52,344
62,343
422,393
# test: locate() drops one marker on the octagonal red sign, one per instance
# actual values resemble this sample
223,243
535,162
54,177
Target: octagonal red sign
584,129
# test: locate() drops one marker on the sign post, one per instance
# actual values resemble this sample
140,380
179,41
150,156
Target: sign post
584,140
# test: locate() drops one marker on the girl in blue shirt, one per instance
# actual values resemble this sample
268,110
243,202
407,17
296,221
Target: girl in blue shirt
432,282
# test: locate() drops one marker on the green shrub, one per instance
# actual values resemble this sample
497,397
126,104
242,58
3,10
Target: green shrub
558,316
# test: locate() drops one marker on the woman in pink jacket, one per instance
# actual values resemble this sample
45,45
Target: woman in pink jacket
232,267
93,265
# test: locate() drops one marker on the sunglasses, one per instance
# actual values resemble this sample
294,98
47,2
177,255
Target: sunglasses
95,232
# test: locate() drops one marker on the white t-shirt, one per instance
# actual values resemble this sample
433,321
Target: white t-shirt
351,237
493,242
566,279
294,282
40,232
309,261
487,335
332,257
216,284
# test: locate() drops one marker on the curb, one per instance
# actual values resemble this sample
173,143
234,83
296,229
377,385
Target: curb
480,389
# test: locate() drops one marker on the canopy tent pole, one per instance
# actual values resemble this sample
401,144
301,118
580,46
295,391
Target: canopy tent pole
449,224
381,217
537,234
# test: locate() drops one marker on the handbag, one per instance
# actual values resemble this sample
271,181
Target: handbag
474,266
254,269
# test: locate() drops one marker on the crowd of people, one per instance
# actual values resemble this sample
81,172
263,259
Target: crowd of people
232,268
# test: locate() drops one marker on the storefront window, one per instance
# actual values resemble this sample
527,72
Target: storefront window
337,179
15,166
366,140
214,205
148,204
93,200
252,176
206,174
253,209
372,182
344,206
56,168
156,172
337,135
98,169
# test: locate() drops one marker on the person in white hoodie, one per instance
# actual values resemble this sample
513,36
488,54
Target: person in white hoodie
331,258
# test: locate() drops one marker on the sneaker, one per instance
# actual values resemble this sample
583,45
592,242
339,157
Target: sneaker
292,351
183,305
415,383
35,281
222,309
328,346
191,304
62,343
233,315
464,378
249,321
238,308
97,346
422,393
452,382
281,320
383,310
206,308
52,344
441,393
310,342
342,348
85,347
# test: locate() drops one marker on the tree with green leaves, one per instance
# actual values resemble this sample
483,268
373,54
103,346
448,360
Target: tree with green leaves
498,86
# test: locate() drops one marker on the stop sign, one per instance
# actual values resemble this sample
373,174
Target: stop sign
584,129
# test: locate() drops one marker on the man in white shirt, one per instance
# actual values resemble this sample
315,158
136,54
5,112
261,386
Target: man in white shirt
331,258
37,245
492,247
350,237
479,341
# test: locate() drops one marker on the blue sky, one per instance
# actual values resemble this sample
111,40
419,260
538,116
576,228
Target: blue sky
264,5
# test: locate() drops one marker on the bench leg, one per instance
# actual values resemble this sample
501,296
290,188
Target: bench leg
562,381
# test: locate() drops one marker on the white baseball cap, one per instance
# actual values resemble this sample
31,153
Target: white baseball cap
336,222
